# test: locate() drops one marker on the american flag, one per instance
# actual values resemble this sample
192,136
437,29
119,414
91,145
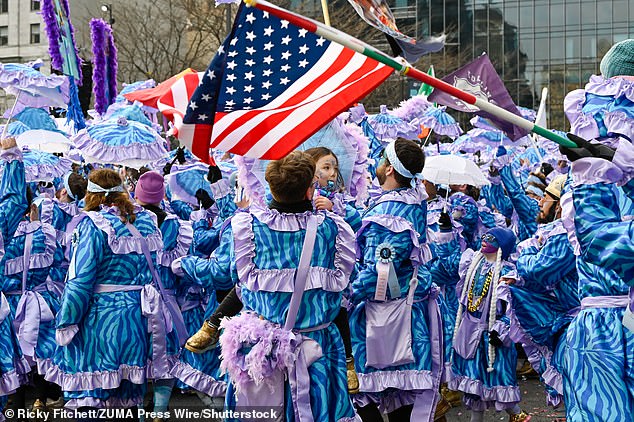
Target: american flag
271,86
173,104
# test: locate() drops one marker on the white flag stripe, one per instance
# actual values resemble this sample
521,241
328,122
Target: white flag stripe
331,54
271,137
324,89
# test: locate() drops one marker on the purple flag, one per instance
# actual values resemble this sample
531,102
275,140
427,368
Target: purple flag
480,79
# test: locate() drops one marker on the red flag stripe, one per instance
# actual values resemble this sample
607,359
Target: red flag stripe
254,134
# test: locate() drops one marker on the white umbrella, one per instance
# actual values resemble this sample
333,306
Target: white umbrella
453,170
44,140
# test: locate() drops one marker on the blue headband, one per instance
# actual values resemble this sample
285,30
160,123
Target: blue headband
390,152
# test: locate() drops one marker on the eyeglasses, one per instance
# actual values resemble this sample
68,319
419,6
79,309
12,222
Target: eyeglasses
490,239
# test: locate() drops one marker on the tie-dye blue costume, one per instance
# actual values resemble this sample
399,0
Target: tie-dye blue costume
13,205
484,389
398,218
36,301
198,300
446,249
177,238
599,365
111,323
543,306
260,251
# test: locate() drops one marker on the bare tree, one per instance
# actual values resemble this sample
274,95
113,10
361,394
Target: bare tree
160,38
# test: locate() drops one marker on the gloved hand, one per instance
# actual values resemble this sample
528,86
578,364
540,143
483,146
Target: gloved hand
586,149
203,197
444,222
214,174
167,168
493,171
500,151
180,155
494,339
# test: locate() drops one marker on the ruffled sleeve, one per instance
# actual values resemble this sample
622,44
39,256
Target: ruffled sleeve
88,243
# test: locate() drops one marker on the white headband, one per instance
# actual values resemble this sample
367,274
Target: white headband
95,188
390,153
68,191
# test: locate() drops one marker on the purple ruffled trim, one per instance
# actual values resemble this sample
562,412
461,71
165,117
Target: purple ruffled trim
553,378
117,154
124,244
82,381
590,171
412,196
357,114
46,212
152,373
110,403
63,336
503,394
410,379
198,380
183,242
36,260
568,220
11,154
419,254
413,108
220,189
249,181
11,381
283,280
360,174
624,160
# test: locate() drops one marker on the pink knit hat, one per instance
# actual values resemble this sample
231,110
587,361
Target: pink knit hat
150,188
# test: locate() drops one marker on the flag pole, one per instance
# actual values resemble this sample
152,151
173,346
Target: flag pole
324,8
346,40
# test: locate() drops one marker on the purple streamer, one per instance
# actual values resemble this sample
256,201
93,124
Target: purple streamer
52,32
104,52
54,35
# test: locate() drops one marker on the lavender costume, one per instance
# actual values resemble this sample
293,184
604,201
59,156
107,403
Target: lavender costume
545,302
393,233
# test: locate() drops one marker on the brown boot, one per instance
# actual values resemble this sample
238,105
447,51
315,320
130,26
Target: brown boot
205,339
442,408
527,371
520,417
353,380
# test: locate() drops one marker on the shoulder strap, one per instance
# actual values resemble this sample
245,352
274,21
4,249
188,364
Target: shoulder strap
177,316
28,242
302,272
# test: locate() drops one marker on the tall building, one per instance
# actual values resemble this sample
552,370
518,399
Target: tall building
533,44
21,31
22,37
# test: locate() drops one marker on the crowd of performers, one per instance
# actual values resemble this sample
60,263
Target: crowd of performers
332,310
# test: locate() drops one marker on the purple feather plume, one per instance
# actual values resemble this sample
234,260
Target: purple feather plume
360,174
252,349
104,76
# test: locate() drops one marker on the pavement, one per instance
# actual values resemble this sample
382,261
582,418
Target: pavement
533,402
